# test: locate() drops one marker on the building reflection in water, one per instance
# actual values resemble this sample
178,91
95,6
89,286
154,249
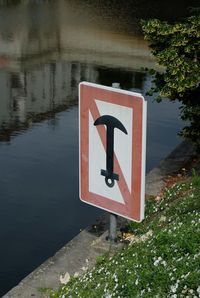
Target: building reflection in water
37,94
47,49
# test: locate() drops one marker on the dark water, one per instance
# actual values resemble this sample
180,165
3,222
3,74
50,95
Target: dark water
46,49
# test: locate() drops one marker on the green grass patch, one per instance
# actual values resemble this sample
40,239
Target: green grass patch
163,262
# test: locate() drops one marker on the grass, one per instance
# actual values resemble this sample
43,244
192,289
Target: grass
162,259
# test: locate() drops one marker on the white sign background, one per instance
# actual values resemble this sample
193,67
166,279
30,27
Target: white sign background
122,148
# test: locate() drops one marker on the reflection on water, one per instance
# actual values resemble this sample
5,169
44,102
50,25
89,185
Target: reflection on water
36,34
35,94
46,49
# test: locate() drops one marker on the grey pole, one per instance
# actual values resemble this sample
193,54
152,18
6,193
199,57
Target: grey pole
113,217
113,228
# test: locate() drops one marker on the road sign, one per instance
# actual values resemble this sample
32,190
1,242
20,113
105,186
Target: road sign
112,149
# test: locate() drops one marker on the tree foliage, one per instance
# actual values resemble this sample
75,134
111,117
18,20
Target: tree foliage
177,48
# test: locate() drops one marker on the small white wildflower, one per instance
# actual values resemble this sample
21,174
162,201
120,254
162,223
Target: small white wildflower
187,274
108,295
174,288
156,262
162,218
64,279
142,292
84,268
115,287
191,291
76,274
198,290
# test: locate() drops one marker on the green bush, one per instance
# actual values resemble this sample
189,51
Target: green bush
176,47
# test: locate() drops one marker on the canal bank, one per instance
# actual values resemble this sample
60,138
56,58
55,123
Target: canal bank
81,252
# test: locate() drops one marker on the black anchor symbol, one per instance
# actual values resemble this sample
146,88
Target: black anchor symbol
111,123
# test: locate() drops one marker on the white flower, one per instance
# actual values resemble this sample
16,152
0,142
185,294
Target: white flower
76,274
198,290
156,262
174,288
64,279
84,268
162,218
107,295
191,291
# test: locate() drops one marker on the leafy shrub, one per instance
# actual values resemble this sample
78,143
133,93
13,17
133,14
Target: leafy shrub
177,48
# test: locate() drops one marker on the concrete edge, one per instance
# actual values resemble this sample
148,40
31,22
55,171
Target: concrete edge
81,252
179,158
75,257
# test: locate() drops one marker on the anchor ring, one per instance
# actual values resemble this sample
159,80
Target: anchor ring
110,182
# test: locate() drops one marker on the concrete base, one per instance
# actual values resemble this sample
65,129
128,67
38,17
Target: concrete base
81,252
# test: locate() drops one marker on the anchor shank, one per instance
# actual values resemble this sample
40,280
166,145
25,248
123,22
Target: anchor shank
111,123
109,149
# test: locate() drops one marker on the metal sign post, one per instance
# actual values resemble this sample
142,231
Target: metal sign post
112,236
